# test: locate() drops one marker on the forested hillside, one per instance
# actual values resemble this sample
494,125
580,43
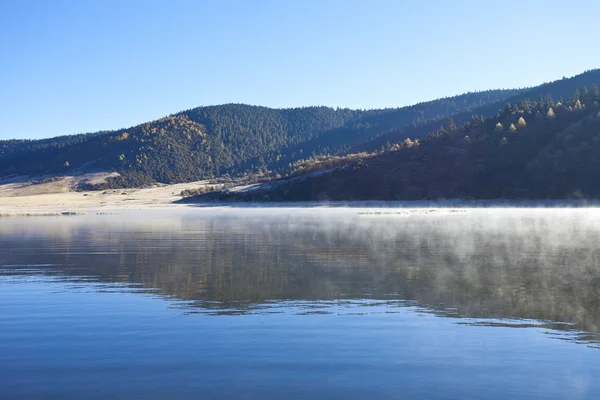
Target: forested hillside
243,140
212,141
536,149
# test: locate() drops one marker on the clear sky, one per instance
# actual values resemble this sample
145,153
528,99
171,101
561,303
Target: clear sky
81,66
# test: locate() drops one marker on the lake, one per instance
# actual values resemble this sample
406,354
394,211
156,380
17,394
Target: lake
320,303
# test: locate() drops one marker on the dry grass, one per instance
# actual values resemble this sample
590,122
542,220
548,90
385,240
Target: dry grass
160,196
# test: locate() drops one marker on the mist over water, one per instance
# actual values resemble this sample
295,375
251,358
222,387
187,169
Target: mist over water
341,303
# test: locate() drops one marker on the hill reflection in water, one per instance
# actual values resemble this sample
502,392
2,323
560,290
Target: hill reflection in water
488,265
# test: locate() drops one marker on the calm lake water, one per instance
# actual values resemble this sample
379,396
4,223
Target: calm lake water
305,303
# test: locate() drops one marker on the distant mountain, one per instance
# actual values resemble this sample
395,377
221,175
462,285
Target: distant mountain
213,141
237,139
534,149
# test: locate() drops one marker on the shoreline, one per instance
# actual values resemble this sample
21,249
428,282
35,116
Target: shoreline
168,197
82,203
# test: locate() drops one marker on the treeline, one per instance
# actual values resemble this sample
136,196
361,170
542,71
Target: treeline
536,149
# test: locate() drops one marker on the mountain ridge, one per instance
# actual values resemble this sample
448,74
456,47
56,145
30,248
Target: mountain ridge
252,142
198,143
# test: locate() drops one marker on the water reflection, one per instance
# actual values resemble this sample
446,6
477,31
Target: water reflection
484,266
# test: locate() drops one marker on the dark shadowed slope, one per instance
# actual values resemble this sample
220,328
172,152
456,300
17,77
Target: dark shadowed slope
535,149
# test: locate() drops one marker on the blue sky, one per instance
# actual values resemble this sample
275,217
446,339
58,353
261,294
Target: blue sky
81,66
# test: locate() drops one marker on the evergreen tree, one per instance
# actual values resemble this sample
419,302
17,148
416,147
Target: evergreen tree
594,92
540,101
450,125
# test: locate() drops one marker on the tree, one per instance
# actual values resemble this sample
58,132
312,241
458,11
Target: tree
450,125
550,114
476,119
467,139
512,128
499,127
540,102
594,92
584,93
504,141
66,164
521,123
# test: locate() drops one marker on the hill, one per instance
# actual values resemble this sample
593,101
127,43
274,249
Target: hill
232,139
535,149
236,140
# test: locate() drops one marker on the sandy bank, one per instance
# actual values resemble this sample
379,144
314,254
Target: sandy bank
13,200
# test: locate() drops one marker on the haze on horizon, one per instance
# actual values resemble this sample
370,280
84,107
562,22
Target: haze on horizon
72,67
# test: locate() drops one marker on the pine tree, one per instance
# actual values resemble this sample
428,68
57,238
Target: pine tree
521,123
594,92
450,125
499,127
584,94
512,128
550,114
540,102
